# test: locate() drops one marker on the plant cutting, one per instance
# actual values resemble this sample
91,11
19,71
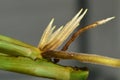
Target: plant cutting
41,61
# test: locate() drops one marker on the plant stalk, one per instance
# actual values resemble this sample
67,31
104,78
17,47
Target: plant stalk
41,68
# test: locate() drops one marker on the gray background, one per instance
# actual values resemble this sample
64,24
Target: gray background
26,19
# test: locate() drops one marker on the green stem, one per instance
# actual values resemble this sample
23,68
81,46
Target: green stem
14,41
15,47
41,68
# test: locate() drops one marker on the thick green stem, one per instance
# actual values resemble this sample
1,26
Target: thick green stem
41,68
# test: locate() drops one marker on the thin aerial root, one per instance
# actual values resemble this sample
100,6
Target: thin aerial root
76,34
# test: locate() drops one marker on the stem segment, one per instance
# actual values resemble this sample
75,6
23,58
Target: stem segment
15,47
41,68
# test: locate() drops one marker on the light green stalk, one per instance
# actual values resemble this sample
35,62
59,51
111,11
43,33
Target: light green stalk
17,48
41,68
14,41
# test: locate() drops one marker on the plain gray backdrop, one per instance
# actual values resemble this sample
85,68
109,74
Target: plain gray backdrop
26,19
